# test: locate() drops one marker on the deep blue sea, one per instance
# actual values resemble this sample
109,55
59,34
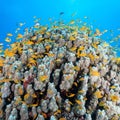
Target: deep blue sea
102,14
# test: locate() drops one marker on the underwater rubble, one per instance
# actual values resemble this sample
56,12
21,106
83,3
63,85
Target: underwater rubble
60,73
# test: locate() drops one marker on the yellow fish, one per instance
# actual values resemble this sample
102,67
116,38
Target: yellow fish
44,114
1,51
75,33
34,38
50,54
1,112
81,54
72,22
34,56
36,26
76,68
7,39
32,61
9,34
95,45
81,48
34,105
85,17
34,17
70,102
83,28
67,77
21,24
58,60
91,56
54,26
16,81
85,98
102,103
117,60
4,80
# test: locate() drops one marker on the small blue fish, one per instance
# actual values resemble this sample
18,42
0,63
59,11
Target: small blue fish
61,13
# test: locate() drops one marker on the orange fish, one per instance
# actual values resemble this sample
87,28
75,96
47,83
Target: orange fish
72,38
20,90
98,94
75,83
1,62
94,73
78,102
9,53
34,117
73,48
62,118
47,47
71,95
91,56
114,98
81,79
44,115
29,42
81,91
43,77
26,96
81,54
57,112
19,36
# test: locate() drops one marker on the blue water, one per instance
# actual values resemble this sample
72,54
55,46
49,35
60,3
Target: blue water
103,14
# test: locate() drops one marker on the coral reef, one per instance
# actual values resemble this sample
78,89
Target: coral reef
60,73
